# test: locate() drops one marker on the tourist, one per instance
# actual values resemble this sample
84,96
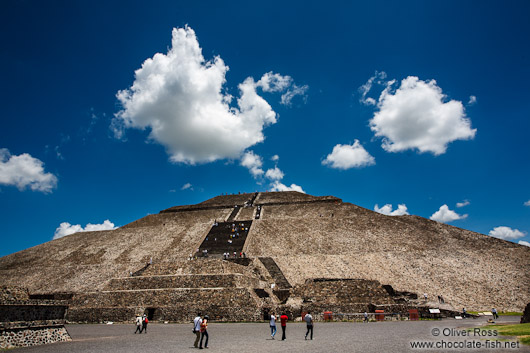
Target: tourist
464,313
425,296
273,325
494,312
204,331
283,320
138,322
145,321
309,321
365,317
197,329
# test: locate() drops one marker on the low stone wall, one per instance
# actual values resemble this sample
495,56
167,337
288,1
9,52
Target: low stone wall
182,281
25,337
343,291
26,313
180,313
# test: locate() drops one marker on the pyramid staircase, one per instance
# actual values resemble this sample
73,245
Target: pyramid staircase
225,237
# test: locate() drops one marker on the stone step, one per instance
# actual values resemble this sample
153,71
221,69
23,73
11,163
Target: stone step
217,240
275,272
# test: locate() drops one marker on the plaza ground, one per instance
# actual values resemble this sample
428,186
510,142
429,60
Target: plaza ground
376,337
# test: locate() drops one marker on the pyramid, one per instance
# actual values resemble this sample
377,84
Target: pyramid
287,251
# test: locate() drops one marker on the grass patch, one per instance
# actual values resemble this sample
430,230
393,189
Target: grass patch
522,331
510,313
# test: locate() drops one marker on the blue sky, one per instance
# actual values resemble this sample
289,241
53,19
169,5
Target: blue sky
414,103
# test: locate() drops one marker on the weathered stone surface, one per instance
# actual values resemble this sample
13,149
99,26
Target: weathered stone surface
308,238
25,337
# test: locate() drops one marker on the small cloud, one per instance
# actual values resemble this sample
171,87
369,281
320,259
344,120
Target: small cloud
506,233
349,156
445,215
463,203
292,92
25,171
472,100
253,163
387,210
277,186
527,203
66,228
522,242
378,78
187,186
276,158
274,174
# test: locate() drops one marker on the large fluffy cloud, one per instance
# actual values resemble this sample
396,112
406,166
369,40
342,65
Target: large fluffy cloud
417,116
25,171
445,215
506,233
180,98
387,210
66,228
349,156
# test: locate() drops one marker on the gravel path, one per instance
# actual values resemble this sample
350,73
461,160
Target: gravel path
376,337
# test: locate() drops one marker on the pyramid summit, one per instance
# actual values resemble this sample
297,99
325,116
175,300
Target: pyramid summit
286,250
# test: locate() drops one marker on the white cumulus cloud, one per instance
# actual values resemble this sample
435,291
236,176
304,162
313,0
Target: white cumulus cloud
527,203
274,174
387,210
276,158
445,215
417,116
522,242
25,171
66,228
506,233
349,156
462,204
181,99
277,186
253,163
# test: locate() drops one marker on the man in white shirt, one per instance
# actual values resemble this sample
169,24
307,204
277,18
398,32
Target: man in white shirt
197,329
309,321
273,325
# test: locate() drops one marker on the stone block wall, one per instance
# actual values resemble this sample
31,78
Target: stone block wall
25,337
182,281
343,291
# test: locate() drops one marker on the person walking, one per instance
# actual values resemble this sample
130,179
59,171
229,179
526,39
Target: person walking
145,321
494,312
204,331
365,317
283,320
197,329
273,325
309,321
138,322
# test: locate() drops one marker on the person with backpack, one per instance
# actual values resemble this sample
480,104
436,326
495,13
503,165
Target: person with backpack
145,321
138,322
204,331
197,329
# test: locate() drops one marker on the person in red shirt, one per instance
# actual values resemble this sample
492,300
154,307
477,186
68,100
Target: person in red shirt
283,320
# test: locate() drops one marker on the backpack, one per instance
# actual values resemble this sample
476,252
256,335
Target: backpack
146,321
